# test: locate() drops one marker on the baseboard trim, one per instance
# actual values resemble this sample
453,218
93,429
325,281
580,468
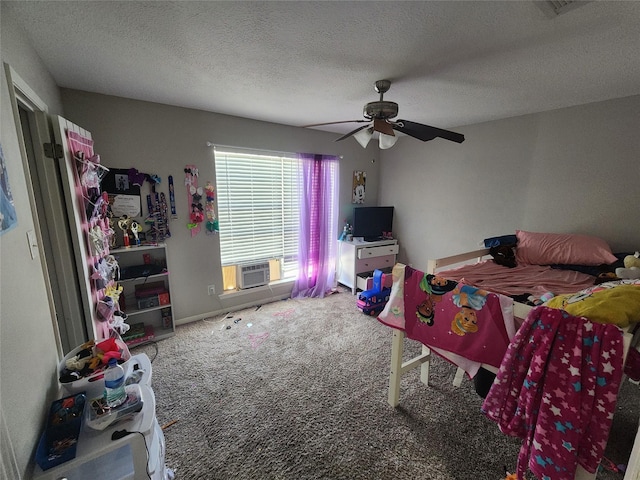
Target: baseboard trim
235,308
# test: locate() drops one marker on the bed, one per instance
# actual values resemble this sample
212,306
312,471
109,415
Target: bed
432,322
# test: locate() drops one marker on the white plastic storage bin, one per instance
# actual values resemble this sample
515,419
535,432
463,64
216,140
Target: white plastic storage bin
138,455
93,385
93,382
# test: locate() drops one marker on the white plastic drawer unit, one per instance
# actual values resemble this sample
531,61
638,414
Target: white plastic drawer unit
369,252
370,264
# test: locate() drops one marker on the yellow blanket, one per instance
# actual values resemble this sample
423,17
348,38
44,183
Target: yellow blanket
611,302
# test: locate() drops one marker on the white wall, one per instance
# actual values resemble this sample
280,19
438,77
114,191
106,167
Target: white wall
570,170
28,350
162,139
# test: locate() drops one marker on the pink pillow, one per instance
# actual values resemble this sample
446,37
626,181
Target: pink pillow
561,248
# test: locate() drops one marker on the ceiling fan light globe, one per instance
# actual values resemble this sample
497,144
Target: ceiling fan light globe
387,141
363,136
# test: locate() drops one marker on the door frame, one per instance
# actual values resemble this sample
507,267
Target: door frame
47,205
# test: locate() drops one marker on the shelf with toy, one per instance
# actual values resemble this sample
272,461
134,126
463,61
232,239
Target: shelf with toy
149,334
133,310
146,296
144,279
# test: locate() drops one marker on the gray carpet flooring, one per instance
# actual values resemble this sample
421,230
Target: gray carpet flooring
297,389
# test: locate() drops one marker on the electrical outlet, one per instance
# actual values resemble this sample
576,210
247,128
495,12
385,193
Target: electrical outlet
212,290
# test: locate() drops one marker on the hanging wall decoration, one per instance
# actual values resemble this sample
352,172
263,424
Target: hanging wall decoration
210,210
123,188
194,197
8,217
172,198
158,219
359,183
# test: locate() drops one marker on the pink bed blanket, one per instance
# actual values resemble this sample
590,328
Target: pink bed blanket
532,279
466,325
556,390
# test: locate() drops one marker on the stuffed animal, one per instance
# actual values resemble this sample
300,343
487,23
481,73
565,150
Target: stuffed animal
631,268
631,261
109,349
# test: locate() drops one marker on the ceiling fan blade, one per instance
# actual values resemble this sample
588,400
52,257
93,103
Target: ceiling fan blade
351,133
383,126
426,132
334,123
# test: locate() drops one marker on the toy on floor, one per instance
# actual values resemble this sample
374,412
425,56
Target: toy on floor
373,301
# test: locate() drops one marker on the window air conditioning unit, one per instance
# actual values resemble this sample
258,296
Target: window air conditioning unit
253,275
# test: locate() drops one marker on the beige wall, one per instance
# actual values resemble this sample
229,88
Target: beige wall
162,139
570,170
28,350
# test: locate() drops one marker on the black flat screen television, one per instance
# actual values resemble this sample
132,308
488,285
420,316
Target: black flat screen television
371,222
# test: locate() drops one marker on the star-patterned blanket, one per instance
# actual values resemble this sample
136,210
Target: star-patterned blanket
556,389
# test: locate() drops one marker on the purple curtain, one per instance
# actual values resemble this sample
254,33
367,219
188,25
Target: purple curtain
317,245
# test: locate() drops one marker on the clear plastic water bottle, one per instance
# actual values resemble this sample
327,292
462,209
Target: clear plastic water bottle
114,392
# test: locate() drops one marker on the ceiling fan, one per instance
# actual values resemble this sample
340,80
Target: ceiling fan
378,118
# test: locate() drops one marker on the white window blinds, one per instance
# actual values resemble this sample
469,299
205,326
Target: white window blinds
257,195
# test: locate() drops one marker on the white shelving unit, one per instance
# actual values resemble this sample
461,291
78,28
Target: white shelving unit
149,264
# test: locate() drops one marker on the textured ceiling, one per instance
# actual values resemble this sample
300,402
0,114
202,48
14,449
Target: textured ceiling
451,63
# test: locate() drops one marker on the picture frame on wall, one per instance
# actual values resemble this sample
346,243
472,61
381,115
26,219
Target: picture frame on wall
124,195
359,184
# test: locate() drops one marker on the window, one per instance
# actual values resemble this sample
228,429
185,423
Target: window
257,195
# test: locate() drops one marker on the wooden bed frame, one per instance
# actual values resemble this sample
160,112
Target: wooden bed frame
520,311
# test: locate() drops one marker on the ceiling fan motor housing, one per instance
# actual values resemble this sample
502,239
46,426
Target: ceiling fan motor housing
380,110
